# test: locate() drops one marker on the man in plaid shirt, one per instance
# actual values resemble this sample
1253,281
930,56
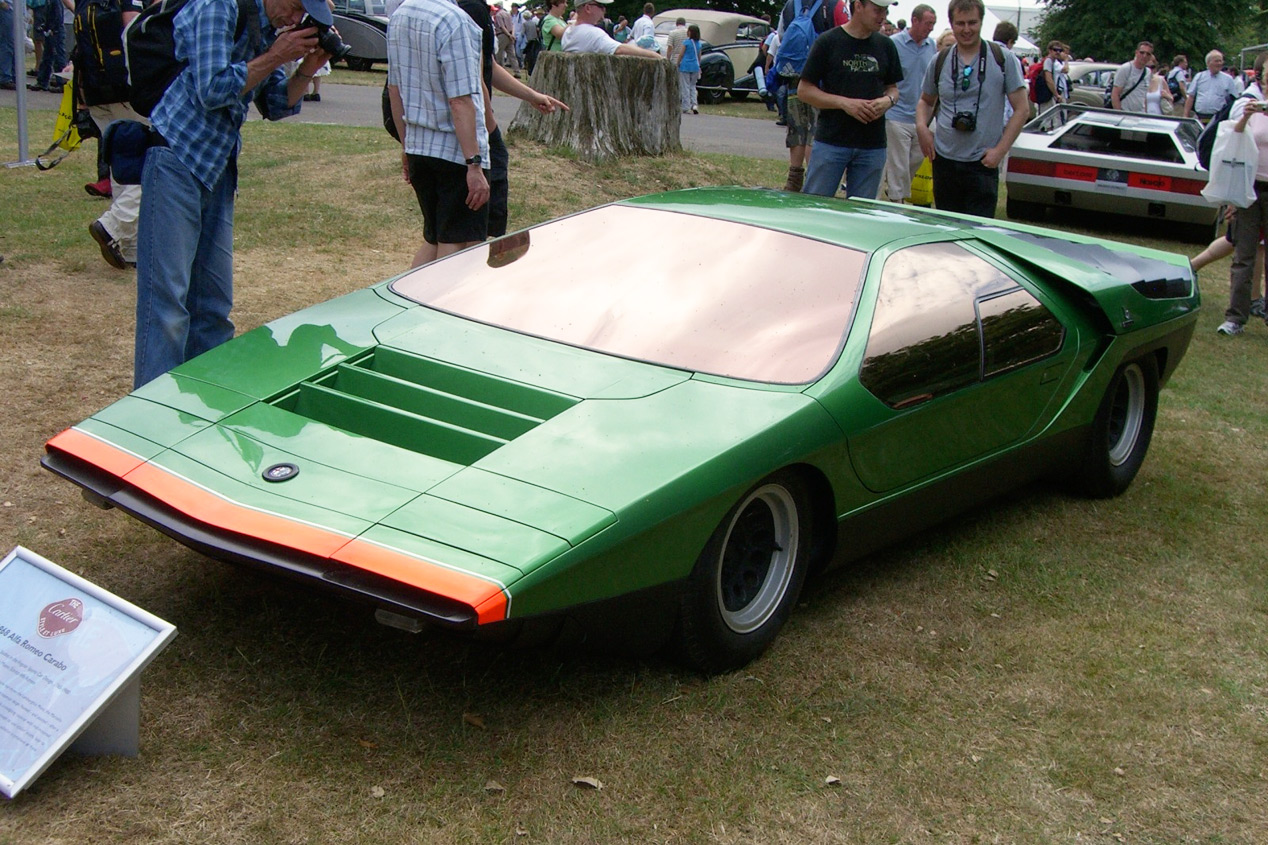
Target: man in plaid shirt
437,96
185,234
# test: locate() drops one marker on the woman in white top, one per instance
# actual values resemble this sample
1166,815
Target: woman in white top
1249,114
1158,93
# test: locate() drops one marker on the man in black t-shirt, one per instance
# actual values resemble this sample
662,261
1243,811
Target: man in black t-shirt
851,76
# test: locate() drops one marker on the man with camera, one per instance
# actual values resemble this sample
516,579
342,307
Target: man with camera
185,238
968,84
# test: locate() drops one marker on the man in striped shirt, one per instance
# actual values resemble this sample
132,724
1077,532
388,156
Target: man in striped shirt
434,84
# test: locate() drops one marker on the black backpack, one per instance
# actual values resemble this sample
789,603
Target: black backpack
150,47
101,71
1206,141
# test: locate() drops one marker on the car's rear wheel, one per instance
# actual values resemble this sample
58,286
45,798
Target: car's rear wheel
748,577
1121,430
739,94
355,63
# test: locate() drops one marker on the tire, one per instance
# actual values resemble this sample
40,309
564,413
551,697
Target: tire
1020,210
739,94
1121,430
711,96
360,64
747,580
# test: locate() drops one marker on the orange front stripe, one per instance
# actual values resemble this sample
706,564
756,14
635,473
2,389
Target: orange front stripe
207,507
487,598
96,452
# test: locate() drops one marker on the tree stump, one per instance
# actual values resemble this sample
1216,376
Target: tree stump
620,106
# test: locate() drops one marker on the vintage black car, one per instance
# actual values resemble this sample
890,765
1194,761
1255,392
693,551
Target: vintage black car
729,41
363,26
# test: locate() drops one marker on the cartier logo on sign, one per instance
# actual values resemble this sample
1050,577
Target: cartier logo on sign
60,617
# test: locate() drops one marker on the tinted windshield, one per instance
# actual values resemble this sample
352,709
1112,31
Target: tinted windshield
675,289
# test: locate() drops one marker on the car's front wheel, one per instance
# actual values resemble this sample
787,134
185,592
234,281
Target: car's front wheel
1121,431
748,577
711,96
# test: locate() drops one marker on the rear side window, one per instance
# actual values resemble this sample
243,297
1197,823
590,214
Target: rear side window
946,319
1127,143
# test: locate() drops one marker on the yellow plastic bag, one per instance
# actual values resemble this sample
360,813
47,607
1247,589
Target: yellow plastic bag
922,185
65,135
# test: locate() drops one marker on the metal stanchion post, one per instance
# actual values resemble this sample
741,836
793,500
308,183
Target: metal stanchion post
19,76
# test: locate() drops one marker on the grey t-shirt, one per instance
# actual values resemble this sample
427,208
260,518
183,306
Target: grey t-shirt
993,83
1127,76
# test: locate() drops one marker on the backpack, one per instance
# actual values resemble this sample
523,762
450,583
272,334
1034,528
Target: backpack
1206,141
1039,92
794,47
101,72
1173,84
150,48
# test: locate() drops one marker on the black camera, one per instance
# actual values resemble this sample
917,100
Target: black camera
327,38
965,121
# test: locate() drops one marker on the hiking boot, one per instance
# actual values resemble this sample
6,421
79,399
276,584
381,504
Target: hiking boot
100,188
796,177
109,246
1230,329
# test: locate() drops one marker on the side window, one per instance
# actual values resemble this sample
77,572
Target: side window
357,6
1016,330
946,319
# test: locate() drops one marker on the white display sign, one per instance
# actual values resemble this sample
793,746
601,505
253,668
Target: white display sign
68,649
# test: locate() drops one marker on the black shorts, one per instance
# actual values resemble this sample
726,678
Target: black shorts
441,188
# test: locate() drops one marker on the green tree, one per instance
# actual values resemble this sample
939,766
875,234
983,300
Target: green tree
1110,31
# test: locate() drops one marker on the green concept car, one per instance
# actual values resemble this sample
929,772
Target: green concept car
656,416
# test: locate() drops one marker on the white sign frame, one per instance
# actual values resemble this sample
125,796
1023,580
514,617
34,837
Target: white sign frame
122,683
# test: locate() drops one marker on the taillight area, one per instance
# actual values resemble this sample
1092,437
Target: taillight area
1030,166
1192,187
1084,173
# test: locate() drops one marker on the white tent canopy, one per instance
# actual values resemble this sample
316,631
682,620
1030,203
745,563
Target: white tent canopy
1025,14
904,7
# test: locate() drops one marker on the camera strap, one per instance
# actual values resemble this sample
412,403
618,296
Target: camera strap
981,78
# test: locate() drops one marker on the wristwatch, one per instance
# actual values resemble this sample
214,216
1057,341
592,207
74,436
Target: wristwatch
475,159
892,101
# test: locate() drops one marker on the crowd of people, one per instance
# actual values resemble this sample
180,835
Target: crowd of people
865,103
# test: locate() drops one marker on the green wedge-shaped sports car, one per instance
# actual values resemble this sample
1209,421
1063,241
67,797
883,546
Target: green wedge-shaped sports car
656,416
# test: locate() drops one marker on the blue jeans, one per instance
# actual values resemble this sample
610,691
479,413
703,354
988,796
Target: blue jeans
48,21
828,163
184,265
6,46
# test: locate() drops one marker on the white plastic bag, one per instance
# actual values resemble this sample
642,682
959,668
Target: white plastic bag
1234,158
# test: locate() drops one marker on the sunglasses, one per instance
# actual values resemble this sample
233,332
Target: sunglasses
965,76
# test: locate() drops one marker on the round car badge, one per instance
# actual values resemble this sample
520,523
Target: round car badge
280,472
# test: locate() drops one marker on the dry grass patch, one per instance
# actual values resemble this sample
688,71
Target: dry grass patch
1045,669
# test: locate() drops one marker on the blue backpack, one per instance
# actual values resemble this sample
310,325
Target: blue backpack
794,47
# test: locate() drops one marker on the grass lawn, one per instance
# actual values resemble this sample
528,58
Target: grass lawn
1044,669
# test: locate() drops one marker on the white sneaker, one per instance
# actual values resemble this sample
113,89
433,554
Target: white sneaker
1228,327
